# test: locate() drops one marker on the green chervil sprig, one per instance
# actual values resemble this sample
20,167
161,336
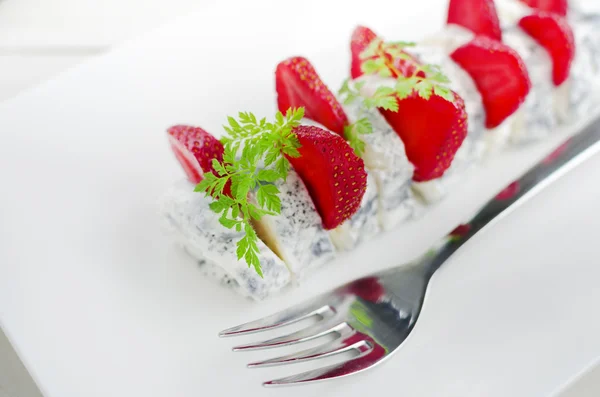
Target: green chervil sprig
380,59
362,126
353,133
253,159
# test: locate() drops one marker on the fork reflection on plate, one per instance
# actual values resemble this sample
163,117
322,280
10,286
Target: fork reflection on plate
373,316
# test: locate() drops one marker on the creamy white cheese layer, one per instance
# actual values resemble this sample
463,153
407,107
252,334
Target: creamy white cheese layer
297,234
363,225
389,184
462,83
510,12
473,146
546,106
396,202
497,139
386,161
584,94
196,228
536,118
480,141
448,39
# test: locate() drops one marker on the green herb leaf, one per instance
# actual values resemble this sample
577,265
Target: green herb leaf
350,93
282,166
363,126
372,49
251,249
372,66
227,222
268,175
384,97
424,89
268,198
249,142
425,81
444,92
235,211
402,44
217,206
353,133
384,92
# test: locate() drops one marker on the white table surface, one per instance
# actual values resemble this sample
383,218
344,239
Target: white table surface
39,39
42,38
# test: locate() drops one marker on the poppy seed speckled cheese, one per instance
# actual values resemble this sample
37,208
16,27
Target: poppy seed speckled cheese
397,203
536,117
297,234
386,161
443,43
584,95
546,105
363,225
195,227
473,146
463,85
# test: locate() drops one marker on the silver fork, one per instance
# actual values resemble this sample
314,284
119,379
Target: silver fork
372,316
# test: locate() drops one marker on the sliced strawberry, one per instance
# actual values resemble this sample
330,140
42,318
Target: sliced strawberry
499,73
553,33
298,85
361,38
559,7
195,149
432,131
334,176
479,16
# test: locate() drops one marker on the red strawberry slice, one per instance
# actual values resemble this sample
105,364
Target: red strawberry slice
499,73
553,33
479,16
334,176
432,131
361,38
559,7
195,149
298,85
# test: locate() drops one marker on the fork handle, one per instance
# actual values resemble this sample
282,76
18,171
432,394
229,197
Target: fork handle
572,152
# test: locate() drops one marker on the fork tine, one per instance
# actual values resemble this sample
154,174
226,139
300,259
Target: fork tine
354,342
358,364
284,317
319,329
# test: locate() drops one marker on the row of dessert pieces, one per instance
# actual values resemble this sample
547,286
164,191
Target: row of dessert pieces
334,198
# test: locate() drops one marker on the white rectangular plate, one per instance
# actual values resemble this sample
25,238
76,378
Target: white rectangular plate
98,302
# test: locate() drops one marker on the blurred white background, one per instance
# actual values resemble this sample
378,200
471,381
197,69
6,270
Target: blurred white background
41,38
